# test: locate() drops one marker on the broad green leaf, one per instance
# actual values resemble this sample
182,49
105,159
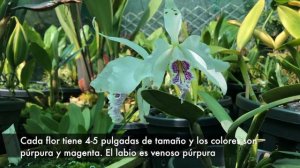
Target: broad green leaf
33,35
172,105
27,72
64,125
249,23
279,92
221,115
33,127
41,55
173,20
282,1
140,50
102,123
290,20
50,123
76,118
49,35
103,11
87,118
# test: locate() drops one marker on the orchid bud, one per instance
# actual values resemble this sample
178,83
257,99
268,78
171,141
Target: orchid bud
17,47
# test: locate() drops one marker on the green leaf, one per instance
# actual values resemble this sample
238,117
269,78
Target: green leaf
76,118
27,73
249,23
64,125
221,115
87,118
101,121
172,105
33,35
41,56
33,127
290,20
49,35
103,11
50,123
279,92
282,1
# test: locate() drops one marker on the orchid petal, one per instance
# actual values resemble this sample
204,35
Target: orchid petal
119,76
140,50
115,104
212,75
193,43
159,60
173,20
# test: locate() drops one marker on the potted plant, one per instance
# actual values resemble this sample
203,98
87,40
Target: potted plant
183,59
10,107
279,68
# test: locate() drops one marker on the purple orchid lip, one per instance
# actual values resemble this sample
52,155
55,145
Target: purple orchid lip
115,103
181,76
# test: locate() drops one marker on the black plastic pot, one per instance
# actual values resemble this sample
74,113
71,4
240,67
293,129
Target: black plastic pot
133,130
9,114
160,124
162,127
66,93
21,94
193,162
281,128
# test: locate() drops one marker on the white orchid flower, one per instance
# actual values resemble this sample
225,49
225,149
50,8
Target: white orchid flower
121,76
181,58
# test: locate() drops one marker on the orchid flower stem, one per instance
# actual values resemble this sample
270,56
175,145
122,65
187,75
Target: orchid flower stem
249,90
196,130
252,133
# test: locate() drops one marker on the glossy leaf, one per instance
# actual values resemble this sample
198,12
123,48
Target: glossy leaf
41,56
27,73
172,105
50,123
249,23
290,20
76,118
221,115
64,124
87,118
279,92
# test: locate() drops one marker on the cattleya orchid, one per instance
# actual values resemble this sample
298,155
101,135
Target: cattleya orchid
121,76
